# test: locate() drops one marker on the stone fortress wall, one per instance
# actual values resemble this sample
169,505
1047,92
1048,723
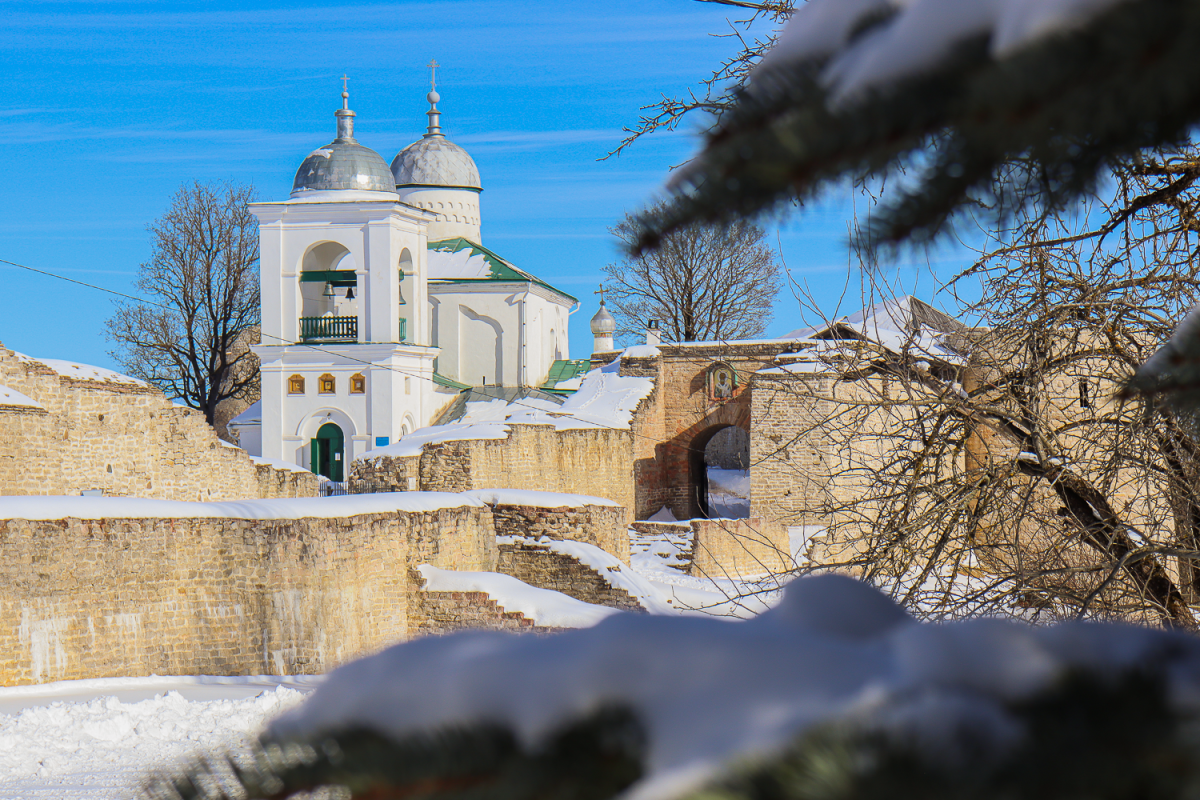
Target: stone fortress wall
291,594
122,437
593,461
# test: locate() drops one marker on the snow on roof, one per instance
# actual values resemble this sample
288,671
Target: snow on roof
460,259
641,351
902,324
83,372
13,398
709,692
544,606
248,418
60,507
521,497
919,36
604,400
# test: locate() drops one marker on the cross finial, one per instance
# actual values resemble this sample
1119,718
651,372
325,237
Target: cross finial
601,293
433,65
344,79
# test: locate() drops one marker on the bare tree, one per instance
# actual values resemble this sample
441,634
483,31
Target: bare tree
705,282
716,92
992,469
202,290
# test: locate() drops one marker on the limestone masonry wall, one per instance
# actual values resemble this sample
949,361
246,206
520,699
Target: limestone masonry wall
739,548
538,566
438,613
123,438
602,526
592,461
97,598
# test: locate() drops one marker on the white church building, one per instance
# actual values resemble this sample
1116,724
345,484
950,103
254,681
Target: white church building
380,302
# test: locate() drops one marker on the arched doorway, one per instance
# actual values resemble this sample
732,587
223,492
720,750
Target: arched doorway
719,475
328,452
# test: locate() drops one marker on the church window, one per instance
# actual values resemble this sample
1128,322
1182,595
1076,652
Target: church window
326,384
296,384
1084,400
358,384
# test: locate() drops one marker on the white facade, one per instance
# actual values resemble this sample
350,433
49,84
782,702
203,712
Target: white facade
361,303
381,243
498,332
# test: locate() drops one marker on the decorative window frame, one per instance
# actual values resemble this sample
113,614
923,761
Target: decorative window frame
358,383
326,384
296,384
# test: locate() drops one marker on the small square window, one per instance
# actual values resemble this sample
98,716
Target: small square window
326,384
296,384
358,384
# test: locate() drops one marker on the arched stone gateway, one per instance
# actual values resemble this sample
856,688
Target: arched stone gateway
693,443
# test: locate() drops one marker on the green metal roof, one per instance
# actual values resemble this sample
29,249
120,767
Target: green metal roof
498,268
442,380
565,370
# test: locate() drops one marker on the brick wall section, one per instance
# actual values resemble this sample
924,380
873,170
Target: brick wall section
601,526
538,566
125,439
98,598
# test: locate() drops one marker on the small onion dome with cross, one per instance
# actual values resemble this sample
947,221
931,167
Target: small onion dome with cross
603,327
343,164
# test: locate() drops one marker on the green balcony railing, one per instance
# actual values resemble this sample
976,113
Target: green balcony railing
342,329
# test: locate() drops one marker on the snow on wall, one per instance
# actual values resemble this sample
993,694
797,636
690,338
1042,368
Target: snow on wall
545,607
831,649
11,397
535,499
608,567
43,507
86,372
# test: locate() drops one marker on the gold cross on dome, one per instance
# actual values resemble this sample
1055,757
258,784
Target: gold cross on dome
433,65
601,292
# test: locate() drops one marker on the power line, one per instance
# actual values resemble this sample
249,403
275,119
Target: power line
318,349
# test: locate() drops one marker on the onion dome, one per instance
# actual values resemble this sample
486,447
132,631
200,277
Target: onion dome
433,160
343,163
603,323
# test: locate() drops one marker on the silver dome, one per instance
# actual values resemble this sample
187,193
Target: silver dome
603,322
344,164
434,161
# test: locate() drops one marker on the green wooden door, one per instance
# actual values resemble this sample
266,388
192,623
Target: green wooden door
328,452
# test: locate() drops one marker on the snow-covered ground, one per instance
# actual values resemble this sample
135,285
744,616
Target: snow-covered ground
98,739
728,493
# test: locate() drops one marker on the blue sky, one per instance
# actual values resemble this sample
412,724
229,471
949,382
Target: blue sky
110,106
